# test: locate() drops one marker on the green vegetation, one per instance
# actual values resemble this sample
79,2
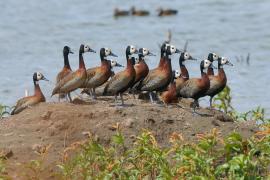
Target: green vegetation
210,158
223,102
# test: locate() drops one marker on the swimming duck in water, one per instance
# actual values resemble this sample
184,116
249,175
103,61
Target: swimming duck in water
135,12
170,95
75,79
184,76
159,78
218,82
28,101
118,12
166,12
121,81
99,75
66,69
196,88
211,57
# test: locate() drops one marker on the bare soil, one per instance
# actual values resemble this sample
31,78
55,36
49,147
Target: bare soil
58,125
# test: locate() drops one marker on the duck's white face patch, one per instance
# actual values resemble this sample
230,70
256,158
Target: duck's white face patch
224,60
39,76
132,49
86,48
107,51
177,74
172,49
186,55
207,63
215,57
113,63
145,51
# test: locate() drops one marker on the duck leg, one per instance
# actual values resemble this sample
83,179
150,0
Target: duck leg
94,96
151,97
69,97
122,100
211,106
115,98
194,105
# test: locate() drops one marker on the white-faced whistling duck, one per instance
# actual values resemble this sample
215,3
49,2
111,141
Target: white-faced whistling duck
28,101
65,71
141,68
218,82
159,78
99,90
118,12
114,63
121,81
99,75
135,12
75,79
184,76
196,88
211,57
170,95
166,12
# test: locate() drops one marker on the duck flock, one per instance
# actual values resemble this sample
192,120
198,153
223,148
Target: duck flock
136,78
137,12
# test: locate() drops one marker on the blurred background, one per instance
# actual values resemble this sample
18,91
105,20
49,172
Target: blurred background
33,33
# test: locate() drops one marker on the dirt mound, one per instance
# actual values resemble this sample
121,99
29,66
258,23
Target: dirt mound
61,124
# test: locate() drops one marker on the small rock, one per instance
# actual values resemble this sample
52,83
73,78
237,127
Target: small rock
224,118
112,127
6,153
129,122
46,115
215,123
169,121
150,120
86,134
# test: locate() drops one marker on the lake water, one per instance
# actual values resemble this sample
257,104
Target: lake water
33,33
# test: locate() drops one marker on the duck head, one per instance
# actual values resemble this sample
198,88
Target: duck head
67,50
37,76
115,64
205,64
176,74
185,56
223,61
86,48
212,57
130,50
145,52
171,49
105,52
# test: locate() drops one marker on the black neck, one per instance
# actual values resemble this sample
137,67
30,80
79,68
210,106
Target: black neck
66,61
141,57
102,56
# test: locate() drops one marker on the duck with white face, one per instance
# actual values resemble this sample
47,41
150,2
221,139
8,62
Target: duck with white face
159,78
170,95
219,81
141,67
29,101
65,70
99,90
76,79
184,76
196,88
121,81
97,76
